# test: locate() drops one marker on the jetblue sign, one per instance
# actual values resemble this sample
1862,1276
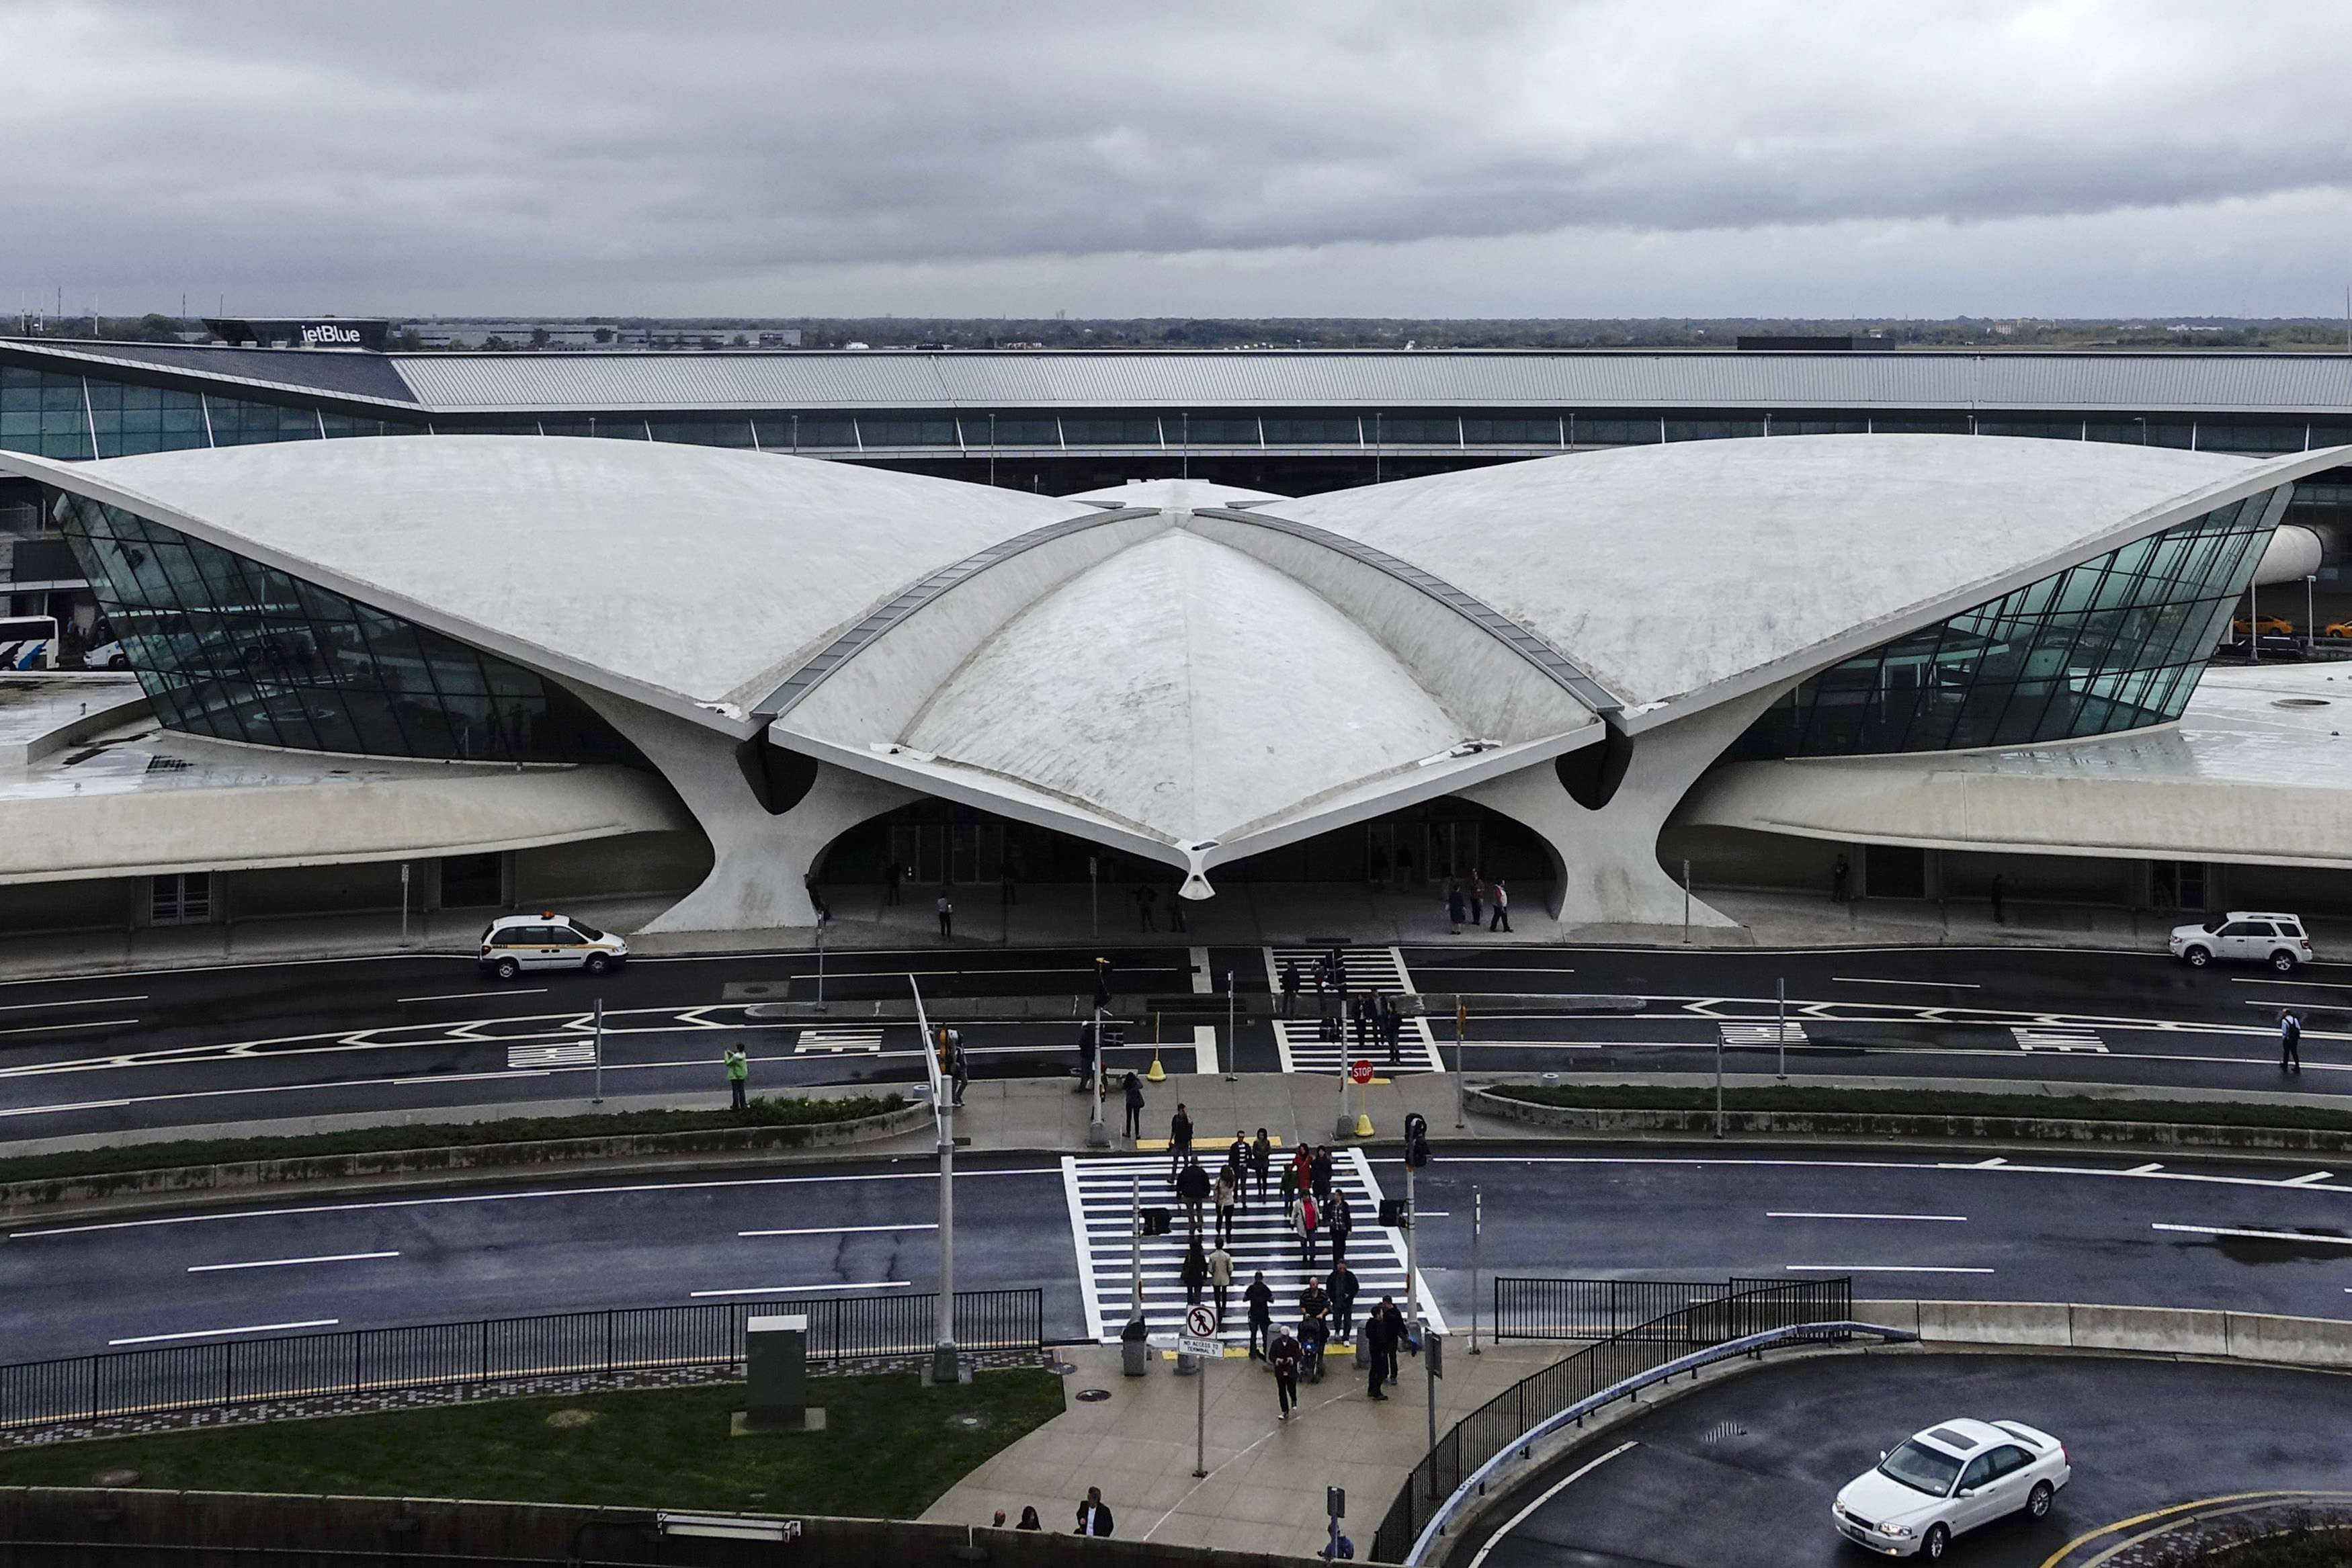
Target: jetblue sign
328,335
302,332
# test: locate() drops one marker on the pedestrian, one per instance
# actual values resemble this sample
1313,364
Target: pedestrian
739,1076
1313,1334
1382,1329
1360,1013
1502,920
1341,1286
1094,1518
1319,1173
958,1064
1477,897
1192,1186
1314,1305
1284,1354
1259,1298
1454,907
1133,1086
1262,1161
1195,1273
1322,976
1143,899
1029,1520
891,894
1229,1181
1392,1025
1180,1140
947,917
1306,1221
1340,1221
1838,873
1102,984
2290,1042
1302,1167
1291,987
1997,890
1220,1278
1238,1157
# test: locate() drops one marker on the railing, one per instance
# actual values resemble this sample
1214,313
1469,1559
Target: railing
1734,1311
184,1377
1593,1309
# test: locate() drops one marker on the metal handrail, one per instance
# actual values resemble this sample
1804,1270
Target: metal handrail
1474,1484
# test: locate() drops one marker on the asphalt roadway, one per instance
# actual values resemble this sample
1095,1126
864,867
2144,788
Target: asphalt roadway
2068,1228
1743,1471
189,1048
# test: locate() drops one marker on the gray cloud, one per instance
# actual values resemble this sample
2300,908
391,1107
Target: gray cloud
685,156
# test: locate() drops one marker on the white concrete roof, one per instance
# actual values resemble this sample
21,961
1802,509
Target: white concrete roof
1181,495
1707,568
2258,770
693,575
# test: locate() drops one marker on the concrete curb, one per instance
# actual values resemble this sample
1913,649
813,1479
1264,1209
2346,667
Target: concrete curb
310,1171
1894,1126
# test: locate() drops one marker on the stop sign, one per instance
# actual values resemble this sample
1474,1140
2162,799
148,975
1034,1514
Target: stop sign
1361,1071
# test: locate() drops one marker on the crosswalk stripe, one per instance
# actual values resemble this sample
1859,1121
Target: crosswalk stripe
2030,1038
1100,1196
847,1038
1763,1034
551,1055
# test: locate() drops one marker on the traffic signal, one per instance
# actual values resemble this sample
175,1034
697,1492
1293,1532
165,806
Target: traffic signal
1155,1222
1393,1214
1416,1140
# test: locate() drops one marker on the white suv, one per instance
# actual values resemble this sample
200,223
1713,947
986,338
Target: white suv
513,943
2277,940
1952,1477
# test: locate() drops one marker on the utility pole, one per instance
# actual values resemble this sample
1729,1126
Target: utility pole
1135,1248
599,1097
823,918
1232,1033
1461,1051
1098,1134
1687,902
1477,1227
1719,1080
1781,1034
946,1365
1094,891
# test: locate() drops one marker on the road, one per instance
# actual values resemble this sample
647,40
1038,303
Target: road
190,1048
2069,1228
1744,1472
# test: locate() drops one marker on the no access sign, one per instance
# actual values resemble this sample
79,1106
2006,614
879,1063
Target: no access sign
1201,1322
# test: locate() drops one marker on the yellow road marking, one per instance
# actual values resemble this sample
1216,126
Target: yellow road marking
2088,1536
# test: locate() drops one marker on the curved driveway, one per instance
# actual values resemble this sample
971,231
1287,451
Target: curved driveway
1742,1472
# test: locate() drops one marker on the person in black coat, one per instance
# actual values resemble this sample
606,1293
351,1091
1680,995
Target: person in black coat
1318,1175
1340,1221
1260,1298
1341,1286
1238,1157
1193,1186
1290,988
1383,1331
1180,1140
1094,1517
1195,1271
1133,1084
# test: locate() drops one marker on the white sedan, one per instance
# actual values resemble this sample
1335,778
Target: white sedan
1950,1478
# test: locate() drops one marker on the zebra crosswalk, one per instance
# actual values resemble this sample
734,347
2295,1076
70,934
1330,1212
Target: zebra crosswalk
528,1056
840,1041
2030,1038
1368,969
1102,1192
1763,1034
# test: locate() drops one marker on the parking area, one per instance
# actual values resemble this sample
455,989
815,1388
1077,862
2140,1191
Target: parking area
1744,1472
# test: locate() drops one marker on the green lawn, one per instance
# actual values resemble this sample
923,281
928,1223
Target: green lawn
1927,1102
890,1447
761,1112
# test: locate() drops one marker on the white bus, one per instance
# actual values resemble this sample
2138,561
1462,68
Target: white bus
28,643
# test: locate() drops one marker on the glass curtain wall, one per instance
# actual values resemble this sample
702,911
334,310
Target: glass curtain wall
227,647
2114,643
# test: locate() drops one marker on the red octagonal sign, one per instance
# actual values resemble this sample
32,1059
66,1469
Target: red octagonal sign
1361,1071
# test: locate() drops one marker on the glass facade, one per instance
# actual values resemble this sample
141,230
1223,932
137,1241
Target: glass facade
226,646
2112,644
52,415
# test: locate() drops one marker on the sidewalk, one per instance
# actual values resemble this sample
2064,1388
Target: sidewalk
1263,1491
1244,914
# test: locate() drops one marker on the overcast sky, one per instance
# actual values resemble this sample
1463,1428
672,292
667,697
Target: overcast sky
967,157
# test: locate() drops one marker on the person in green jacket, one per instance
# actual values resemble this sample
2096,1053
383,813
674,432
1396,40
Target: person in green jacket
738,1074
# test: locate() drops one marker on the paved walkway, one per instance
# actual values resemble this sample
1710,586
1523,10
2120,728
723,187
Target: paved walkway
1263,1491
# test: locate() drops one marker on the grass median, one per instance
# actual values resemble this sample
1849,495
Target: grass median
181,1153
1796,1097
891,1446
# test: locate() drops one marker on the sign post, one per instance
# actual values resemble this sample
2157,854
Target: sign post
946,1365
1477,1227
598,1098
1461,1060
1200,1339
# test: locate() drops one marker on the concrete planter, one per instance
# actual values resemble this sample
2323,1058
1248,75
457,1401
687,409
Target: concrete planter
20,1197
1884,1124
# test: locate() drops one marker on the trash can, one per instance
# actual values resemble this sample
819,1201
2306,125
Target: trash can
1134,1352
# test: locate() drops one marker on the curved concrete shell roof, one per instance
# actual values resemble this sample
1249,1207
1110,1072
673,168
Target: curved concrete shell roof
692,575
1707,568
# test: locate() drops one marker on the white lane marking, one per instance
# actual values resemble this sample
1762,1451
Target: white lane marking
75,1002
289,1262
2305,985
1549,1492
211,1333
805,1289
1879,1269
61,1028
1789,1033
53,1110
520,1057
839,1229
1809,1214
511,1197
2144,1170
2256,1235
1996,1165
2308,1178
1866,980
2032,1039
449,1077
468,996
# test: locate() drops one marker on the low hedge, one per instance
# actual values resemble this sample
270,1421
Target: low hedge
760,1113
1925,1102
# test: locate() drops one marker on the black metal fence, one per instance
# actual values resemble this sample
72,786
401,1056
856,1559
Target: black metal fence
1728,1312
359,1361
1594,1309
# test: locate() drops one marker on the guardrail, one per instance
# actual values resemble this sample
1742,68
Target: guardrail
1527,1308
358,1361
1605,1370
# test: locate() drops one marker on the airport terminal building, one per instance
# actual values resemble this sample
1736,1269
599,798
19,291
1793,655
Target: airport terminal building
733,681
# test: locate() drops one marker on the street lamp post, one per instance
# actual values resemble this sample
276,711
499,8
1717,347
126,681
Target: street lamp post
946,1364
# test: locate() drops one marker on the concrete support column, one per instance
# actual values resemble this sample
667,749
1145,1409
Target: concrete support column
1605,859
761,860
